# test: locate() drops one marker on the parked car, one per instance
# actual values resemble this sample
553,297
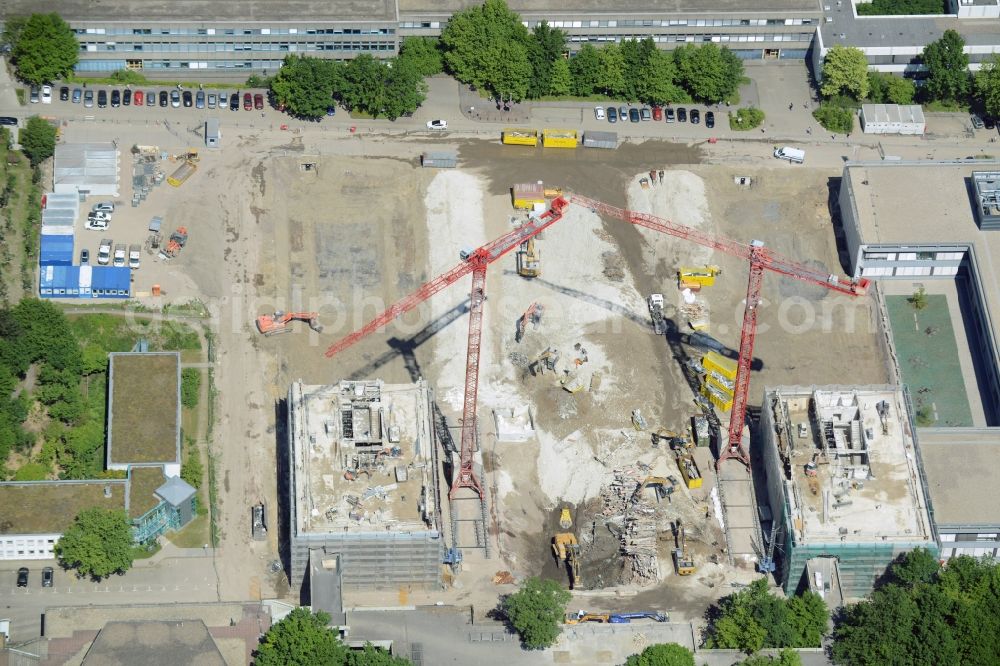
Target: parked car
116,99
612,114
709,119
120,257
35,94
188,99
175,98
22,577
645,114
599,112
670,115
103,207
77,95
331,110
657,114
212,99
247,102
258,102
977,122
47,576
10,121
695,116
199,100
623,112
234,102
989,122
437,124
97,223
633,115
102,98
682,115
127,97
46,94
138,98
150,98
104,252
84,256
88,98
163,97
64,94
133,256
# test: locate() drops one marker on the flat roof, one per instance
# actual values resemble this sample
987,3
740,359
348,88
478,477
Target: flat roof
962,470
85,164
900,31
209,12
550,8
337,431
867,488
154,643
142,493
144,409
49,507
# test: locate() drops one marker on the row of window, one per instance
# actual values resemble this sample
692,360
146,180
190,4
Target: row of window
224,47
234,31
693,39
914,256
665,23
18,548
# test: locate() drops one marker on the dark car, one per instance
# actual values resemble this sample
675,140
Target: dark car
8,120
612,114
47,576
695,116
164,98
116,98
84,257
247,101
258,102
188,98
150,98
199,100
682,115
709,119
670,116
64,94
331,111
989,122
102,98
22,577
127,97
633,115
234,102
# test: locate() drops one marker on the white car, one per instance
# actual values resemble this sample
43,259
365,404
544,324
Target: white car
46,94
97,224
599,112
437,124
104,207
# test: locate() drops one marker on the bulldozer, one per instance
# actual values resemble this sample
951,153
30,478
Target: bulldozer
529,260
278,322
566,549
682,559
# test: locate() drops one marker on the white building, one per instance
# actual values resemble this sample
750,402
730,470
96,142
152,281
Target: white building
86,169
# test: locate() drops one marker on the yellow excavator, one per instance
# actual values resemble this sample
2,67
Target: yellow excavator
566,549
583,616
529,260
663,485
682,559
565,518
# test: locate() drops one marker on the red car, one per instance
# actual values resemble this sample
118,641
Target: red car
657,113
258,102
137,98
247,102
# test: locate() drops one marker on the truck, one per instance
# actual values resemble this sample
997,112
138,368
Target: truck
655,303
119,259
793,155
104,253
133,256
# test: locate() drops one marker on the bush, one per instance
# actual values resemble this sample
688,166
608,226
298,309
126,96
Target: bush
746,119
834,118
190,387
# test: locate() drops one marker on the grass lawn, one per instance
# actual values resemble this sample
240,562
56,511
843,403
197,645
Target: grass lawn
196,533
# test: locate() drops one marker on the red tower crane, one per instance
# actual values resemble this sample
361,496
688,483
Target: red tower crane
476,263
761,258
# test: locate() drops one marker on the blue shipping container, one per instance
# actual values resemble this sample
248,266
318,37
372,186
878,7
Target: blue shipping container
56,251
84,282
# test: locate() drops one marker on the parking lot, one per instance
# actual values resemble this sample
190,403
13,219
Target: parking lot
145,99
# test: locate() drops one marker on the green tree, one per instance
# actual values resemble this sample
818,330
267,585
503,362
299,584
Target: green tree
43,48
97,544
709,73
536,611
405,89
834,118
662,654
305,86
612,73
585,67
786,657
636,55
753,618
561,81
657,83
302,638
918,299
947,68
746,119
424,53
38,140
889,89
486,46
373,656
845,72
987,86
364,84
545,48
33,471
917,566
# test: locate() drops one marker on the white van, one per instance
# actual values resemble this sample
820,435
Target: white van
791,154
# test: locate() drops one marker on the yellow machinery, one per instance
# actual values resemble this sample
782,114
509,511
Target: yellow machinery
559,138
566,549
720,379
183,172
582,616
699,276
664,486
519,137
528,260
682,559
528,195
565,518
689,470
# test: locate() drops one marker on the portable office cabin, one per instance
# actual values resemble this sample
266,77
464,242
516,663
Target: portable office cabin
212,134
439,160
86,169
111,282
892,119
607,140
58,221
84,282
56,250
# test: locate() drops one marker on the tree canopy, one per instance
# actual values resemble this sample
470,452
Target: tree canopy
43,47
97,544
786,657
924,614
302,638
947,68
38,140
305,86
890,89
424,53
536,611
709,73
662,654
753,618
987,85
845,72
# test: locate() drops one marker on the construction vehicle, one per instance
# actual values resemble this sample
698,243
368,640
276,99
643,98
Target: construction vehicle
258,521
675,441
689,470
278,322
529,260
689,277
183,172
626,618
190,156
655,303
178,240
533,315
682,559
565,518
663,486
547,360
566,550
580,617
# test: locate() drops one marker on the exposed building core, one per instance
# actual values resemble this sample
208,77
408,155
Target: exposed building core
843,480
364,481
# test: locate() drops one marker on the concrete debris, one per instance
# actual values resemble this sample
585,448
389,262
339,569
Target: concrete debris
632,519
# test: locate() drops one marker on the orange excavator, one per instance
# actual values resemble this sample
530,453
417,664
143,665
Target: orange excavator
278,322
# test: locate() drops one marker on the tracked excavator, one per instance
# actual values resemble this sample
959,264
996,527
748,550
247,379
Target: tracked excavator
566,549
279,322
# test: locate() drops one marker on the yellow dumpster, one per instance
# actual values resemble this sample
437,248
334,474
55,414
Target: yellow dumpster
714,361
559,138
519,137
723,401
527,195
702,275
